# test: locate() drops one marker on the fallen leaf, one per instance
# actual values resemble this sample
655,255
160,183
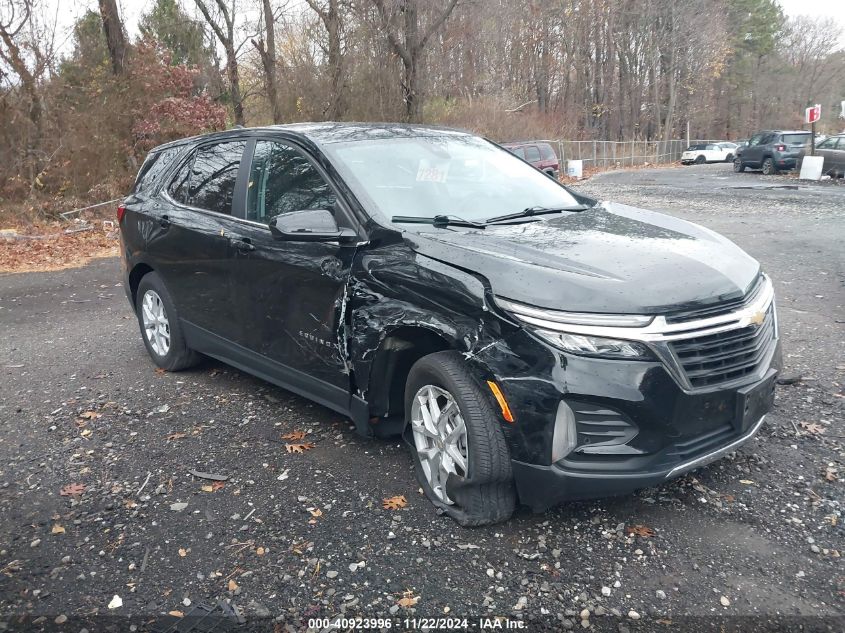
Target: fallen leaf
299,448
260,551
831,474
315,512
207,488
640,530
160,370
217,485
176,436
57,529
394,503
183,552
90,415
86,433
232,585
129,503
814,428
116,602
408,600
72,490
746,482
294,436
176,614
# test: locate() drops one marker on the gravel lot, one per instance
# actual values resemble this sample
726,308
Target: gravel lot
750,543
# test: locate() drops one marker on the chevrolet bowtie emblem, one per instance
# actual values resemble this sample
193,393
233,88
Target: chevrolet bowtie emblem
757,318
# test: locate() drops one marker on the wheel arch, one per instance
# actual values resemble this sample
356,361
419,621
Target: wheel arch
397,352
138,272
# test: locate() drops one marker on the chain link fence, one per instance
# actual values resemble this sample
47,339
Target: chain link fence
622,153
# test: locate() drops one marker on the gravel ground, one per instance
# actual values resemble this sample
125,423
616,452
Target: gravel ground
752,542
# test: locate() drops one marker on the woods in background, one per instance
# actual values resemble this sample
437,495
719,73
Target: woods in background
77,120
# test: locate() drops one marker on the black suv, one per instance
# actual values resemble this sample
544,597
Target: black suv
529,343
772,151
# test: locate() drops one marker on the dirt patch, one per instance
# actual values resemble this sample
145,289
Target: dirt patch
39,248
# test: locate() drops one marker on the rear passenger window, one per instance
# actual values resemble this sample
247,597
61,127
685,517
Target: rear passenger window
532,154
282,180
178,188
155,165
214,174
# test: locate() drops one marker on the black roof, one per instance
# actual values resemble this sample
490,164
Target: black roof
332,132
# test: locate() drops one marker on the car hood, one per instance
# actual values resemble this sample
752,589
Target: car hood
610,258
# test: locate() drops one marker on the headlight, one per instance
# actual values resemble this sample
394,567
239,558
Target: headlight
595,345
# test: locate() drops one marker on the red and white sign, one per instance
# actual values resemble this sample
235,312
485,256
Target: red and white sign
813,113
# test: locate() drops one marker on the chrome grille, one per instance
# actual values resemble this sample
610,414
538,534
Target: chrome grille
725,356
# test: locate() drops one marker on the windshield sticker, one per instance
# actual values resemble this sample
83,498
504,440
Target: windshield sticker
429,171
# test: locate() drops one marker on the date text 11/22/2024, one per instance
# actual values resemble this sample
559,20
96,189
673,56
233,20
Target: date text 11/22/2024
414,624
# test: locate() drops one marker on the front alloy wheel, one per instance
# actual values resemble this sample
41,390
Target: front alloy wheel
440,436
156,325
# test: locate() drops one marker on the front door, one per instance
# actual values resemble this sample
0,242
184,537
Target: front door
293,294
752,155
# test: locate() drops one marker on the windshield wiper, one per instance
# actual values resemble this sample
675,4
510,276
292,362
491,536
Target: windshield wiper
532,211
440,221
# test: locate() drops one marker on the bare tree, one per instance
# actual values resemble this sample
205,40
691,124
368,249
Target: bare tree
409,40
267,53
115,37
223,25
329,14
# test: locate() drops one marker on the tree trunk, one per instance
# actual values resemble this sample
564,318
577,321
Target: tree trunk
115,38
337,104
235,84
268,59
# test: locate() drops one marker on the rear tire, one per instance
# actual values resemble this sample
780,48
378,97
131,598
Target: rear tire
739,167
160,327
729,158
482,492
769,168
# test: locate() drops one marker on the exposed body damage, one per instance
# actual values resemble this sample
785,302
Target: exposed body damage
591,351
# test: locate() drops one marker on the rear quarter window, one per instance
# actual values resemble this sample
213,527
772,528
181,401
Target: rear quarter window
532,154
154,166
547,152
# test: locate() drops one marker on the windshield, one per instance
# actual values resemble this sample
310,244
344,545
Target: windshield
461,176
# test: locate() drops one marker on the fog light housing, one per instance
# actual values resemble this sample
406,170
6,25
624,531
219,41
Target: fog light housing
565,437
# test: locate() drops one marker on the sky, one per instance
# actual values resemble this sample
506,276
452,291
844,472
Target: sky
67,11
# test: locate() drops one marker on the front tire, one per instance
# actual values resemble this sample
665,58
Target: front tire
700,160
460,454
160,327
739,167
769,168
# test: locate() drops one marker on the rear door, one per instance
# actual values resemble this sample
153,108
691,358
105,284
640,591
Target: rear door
189,237
532,155
292,294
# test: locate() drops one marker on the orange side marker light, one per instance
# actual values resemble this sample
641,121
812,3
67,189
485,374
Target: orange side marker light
500,398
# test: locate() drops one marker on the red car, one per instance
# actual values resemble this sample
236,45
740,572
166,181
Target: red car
539,154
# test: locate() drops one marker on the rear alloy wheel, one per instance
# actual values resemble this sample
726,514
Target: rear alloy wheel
738,166
700,160
729,158
460,454
160,326
769,168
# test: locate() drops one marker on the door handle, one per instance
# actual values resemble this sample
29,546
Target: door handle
243,244
164,221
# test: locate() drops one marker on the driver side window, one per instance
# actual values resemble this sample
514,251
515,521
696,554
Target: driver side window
282,180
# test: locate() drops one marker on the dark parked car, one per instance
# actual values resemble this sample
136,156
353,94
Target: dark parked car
833,150
528,342
772,151
539,154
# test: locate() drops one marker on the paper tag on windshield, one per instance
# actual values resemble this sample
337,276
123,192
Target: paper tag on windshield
432,172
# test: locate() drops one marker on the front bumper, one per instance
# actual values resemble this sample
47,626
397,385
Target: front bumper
541,487
636,423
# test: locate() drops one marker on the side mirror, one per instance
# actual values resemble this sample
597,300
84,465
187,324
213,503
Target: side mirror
310,225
